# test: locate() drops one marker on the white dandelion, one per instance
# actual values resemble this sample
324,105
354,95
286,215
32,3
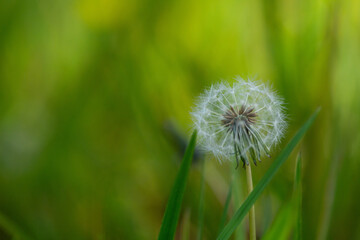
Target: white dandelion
239,122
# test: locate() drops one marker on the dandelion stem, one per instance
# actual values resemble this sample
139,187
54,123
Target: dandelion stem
252,227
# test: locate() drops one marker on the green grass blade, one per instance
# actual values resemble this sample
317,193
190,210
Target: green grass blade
290,214
298,172
254,195
201,202
283,224
185,225
172,211
298,198
238,197
226,208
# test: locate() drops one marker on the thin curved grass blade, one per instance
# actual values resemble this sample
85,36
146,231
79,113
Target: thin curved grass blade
226,208
289,216
172,211
298,198
186,222
238,197
254,195
283,224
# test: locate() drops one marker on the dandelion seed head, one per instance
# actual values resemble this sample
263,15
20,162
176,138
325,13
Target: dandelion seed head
242,121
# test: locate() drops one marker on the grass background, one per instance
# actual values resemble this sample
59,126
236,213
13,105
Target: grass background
92,92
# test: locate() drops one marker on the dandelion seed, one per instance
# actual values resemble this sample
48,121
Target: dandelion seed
239,122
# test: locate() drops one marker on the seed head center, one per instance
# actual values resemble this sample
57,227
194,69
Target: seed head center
242,118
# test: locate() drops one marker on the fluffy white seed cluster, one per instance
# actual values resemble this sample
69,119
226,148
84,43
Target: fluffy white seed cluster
239,122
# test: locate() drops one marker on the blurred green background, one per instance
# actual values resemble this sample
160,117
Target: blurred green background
93,92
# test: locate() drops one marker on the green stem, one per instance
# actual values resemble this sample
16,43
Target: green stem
252,227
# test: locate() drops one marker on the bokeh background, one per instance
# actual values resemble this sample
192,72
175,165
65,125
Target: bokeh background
94,112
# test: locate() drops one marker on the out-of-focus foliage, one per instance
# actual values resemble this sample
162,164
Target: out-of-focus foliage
88,89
